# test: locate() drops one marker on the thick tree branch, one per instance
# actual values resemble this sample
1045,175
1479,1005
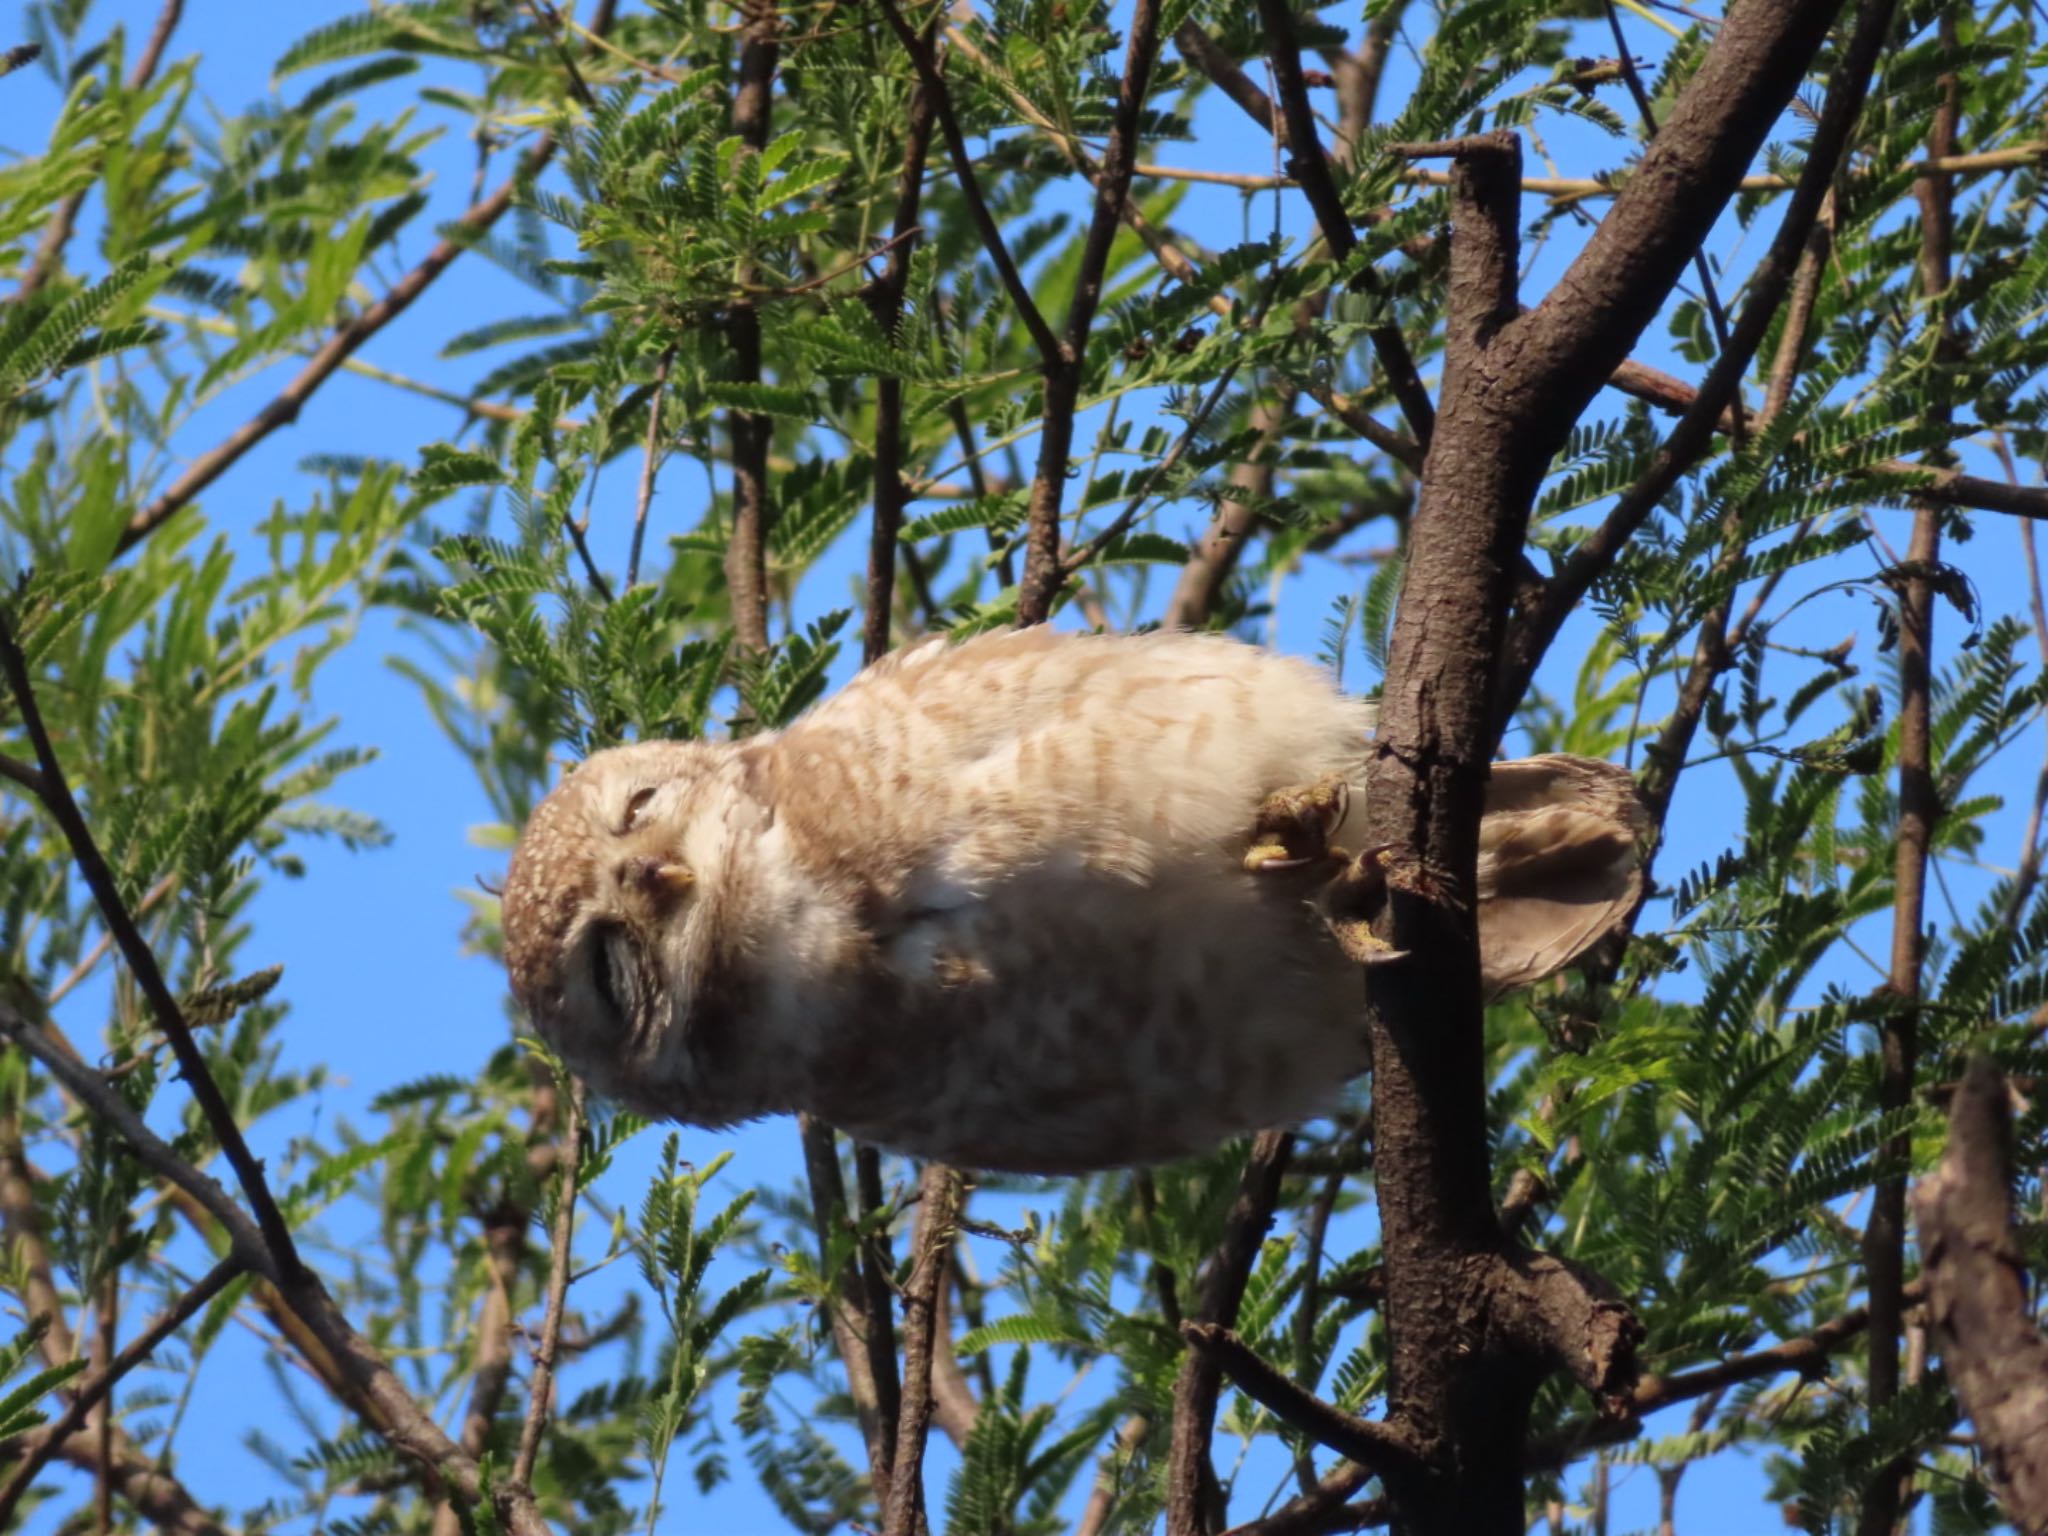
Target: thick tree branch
1474,1330
746,551
1977,1297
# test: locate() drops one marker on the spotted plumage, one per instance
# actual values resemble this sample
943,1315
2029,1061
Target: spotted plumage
998,903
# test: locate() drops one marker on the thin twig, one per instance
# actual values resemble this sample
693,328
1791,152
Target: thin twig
94,1388
1311,168
1710,295
545,1347
926,65
1326,1512
891,494
56,798
650,461
285,406
1190,1479
64,220
1386,1448
1884,1236
1044,573
1847,86
853,1325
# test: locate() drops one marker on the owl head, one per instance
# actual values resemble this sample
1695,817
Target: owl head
631,911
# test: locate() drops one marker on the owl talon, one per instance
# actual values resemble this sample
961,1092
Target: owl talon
1293,827
1348,905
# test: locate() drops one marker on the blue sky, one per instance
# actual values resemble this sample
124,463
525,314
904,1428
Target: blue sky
380,990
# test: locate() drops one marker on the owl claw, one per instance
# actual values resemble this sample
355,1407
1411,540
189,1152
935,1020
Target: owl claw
1348,905
1293,827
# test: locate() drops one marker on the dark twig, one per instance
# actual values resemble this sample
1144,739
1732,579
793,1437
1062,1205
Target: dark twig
170,1017
1977,1297
1044,571
891,494
1710,296
650,462
1808,1354
938,1209
1677,150
550,22
1307,164
93,1390
1201,51
1386,1448
853,1323
1325,1512
926,64
1190,1479
545,1348
746,551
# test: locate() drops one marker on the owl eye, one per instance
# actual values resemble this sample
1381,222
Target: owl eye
635,805
614,971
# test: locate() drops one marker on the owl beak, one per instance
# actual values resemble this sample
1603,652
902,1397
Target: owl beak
663,883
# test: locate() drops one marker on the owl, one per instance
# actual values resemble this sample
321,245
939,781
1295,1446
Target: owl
1036,902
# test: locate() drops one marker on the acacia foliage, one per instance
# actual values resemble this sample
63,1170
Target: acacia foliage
1701,1115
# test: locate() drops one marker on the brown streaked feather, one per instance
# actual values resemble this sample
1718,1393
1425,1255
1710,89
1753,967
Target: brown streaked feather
1560,864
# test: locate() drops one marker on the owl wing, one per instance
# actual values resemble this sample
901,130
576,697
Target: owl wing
1560,864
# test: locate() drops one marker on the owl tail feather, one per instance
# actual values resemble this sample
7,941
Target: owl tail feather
1561,847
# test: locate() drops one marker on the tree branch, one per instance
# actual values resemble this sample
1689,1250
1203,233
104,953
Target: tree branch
891,494
284,408
1191,1495
1044,572
1308,165
746,552
559,1264
937,1212
650,462
857,1332
1655,225
64,221
1977,1297
148,1489
1884,1235
170,1017
1385,1448
926,65
365,1381
94,1389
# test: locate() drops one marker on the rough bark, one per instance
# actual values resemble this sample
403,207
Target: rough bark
1977,1298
